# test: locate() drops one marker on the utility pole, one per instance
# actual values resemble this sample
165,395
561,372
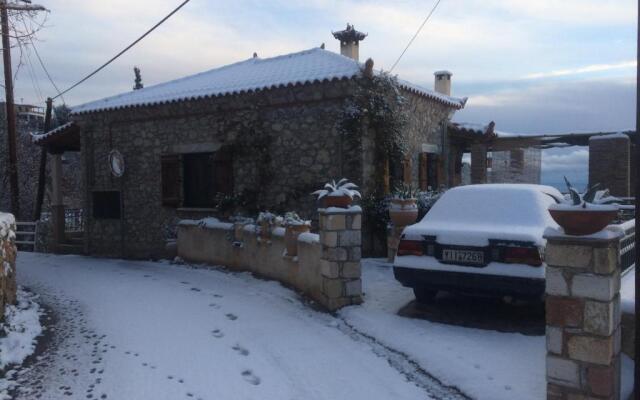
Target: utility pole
10,107
42,172
10,110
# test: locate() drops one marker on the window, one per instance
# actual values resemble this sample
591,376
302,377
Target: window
106,205
193,180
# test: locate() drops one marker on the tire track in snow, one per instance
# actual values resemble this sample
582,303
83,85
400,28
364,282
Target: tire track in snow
405,365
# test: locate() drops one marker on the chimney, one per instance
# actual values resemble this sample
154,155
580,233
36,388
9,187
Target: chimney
443,82
349,41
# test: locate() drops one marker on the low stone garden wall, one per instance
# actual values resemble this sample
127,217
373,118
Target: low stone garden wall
8,253
326,267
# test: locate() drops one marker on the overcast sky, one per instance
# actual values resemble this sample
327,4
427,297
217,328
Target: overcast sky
531,66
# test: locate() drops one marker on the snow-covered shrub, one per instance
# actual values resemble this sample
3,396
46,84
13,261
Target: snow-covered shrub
427,199
293,219
270,218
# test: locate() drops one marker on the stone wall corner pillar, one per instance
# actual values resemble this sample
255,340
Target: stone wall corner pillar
340,238
582,317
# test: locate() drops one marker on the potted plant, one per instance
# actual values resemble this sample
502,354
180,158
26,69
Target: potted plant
294,226
265,222
584,213
337,194
403,208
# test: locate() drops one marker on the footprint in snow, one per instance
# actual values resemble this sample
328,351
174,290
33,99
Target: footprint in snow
195,289
241,350
184,283
217,295
250,377
214,305
232,317
217,333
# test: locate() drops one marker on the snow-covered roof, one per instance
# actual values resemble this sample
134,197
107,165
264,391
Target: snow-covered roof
254,74
39,137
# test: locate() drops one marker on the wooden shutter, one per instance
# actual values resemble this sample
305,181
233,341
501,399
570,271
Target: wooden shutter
422,171
406,170
223,172
170,174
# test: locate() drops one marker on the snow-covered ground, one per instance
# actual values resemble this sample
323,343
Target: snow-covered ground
143,330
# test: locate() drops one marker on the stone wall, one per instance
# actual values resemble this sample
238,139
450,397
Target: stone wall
583,316
326,267
285,144
609,163
28,164
8,253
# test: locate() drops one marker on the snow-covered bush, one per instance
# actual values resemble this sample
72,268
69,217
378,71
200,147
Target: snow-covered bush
270,218
427,199
293,219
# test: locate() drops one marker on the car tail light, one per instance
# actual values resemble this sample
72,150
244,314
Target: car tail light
410,248
522,255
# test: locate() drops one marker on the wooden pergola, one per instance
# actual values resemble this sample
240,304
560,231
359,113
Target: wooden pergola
65,138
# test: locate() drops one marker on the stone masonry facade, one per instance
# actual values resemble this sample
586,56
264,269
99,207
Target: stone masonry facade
285,143
583,318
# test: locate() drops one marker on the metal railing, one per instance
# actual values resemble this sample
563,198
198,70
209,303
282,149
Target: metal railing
73,219
627,243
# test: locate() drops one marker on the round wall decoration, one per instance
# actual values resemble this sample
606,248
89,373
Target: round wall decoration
116,163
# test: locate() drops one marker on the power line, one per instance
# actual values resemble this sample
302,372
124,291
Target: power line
46,71
125,50
416,34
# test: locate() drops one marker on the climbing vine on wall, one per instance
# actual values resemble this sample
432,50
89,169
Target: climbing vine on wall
377,106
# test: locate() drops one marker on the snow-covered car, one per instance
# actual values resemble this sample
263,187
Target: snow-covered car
479,239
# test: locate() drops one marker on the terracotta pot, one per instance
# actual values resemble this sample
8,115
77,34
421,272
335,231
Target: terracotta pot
403,212
291,234
337,201
265,230
583,222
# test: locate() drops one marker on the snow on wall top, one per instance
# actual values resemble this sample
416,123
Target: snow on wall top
254,74
7,223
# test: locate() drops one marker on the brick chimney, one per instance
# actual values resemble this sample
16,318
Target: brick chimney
349,41
443,82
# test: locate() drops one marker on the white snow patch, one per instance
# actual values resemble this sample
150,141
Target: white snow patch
308,237
628,292
22,326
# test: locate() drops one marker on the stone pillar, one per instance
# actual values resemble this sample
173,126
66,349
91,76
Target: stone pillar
340,238
583,317
57,206
610,163
478,163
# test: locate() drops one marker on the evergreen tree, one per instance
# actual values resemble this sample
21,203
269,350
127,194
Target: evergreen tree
138,80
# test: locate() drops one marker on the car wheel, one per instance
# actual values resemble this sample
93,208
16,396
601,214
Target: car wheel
423,295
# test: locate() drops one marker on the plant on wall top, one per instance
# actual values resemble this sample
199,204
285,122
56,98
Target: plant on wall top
338,189
292,218
591,195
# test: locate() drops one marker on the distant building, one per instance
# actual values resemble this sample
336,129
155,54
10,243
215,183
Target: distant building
29,119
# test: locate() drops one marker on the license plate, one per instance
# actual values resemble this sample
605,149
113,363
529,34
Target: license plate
463,256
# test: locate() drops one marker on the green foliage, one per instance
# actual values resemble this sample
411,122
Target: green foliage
591,195
405,191
378,104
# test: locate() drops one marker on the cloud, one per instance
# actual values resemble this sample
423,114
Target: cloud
584,70
556,106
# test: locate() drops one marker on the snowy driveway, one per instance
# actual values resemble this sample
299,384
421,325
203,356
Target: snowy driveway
142,330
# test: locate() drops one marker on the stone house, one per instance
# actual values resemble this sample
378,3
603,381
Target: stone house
265,129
